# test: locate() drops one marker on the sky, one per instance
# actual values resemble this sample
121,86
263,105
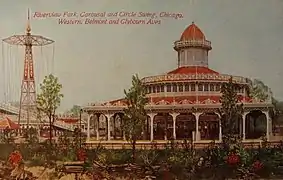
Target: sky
95,63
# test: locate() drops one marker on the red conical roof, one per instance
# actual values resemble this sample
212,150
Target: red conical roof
192,32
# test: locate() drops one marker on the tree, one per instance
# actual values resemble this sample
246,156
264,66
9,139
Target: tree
75,110
49,99
276,114
259,90
230,111
135,114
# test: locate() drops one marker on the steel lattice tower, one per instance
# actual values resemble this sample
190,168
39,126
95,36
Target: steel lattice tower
28,86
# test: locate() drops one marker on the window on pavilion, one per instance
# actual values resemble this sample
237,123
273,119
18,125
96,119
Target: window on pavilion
181,88
211,87
193,87
158,89
154,89
187,87
206,87
200,87
175,88
169,88
162,88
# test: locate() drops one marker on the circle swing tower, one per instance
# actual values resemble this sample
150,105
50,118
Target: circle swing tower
28,86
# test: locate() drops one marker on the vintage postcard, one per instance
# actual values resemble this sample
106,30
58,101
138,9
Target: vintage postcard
151,89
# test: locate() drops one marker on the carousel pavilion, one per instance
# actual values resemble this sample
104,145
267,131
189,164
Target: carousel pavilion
183,103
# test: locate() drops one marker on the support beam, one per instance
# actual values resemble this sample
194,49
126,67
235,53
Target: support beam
97,127
220,127
108,117
88,126
151,115
174,116
244,125
197,134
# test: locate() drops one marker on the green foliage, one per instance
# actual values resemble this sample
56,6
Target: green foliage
75,110
180,163
259,90
69,144
216,160
277,112
107,157
135,114
231,111
148,158
65,146
64,139
31,147
49,98
78,139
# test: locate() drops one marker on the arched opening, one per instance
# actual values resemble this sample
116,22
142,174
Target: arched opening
185,126
235,127
102,127
163,126
93,126
209,126
256,124
117,126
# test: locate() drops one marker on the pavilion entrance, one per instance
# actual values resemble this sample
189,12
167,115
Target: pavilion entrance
256,124
209,126
116,125
185,126
163,126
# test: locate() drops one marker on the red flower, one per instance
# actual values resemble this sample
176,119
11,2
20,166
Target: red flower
233,159
257,165
15,158
81,155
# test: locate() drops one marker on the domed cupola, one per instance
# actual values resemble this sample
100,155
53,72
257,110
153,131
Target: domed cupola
192,47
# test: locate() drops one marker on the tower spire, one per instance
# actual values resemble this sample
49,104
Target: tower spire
28,29
192,3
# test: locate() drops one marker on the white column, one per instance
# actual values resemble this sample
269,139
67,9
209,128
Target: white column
108,117
124,136
244,125
97,127
197,135
88,126
174,116
165,88
220,127
267,125
151,115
